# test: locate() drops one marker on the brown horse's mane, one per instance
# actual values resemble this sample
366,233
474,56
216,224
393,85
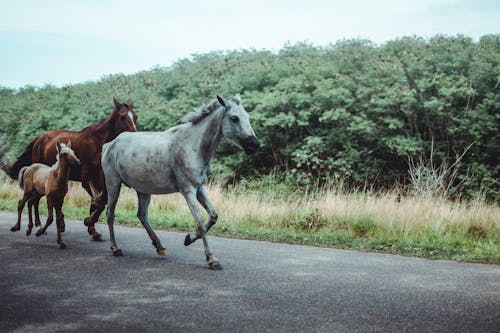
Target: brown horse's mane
103,120
99,124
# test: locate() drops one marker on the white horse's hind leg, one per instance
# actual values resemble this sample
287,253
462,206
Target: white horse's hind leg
192,202
113,194
142,214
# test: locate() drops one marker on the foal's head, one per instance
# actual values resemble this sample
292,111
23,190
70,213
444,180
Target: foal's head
124,117
66,154
236,124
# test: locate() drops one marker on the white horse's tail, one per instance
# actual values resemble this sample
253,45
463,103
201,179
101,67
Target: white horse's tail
20,177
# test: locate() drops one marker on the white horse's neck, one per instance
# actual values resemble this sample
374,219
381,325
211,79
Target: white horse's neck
210,130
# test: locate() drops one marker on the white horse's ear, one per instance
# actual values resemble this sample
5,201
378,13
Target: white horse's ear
237,99
222,100
68,144
58,146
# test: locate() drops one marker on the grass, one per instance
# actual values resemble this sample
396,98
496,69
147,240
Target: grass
414,226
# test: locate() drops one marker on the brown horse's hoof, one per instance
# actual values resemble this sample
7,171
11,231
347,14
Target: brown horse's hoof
96,236
14,228
62,245
86,221
162,252
28,232
40,232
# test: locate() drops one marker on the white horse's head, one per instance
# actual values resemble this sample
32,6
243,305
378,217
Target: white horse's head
236,125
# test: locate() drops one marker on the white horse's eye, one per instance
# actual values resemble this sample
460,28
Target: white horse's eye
234,119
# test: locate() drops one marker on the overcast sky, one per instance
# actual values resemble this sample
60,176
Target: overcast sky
62,42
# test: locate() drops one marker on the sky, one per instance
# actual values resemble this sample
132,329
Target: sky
66,42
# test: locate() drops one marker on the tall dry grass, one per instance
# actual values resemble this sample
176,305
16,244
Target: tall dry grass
405,215
401,216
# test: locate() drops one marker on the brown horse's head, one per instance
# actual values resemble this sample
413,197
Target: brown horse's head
124,117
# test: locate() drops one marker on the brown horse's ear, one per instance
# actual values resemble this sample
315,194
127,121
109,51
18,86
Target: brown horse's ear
117,104
130,104
58,146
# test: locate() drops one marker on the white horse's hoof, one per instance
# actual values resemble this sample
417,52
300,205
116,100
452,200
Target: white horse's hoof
187,240
215,266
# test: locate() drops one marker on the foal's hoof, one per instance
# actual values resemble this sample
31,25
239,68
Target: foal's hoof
96,236
215,266
62,245
117,252
162,252
187,240
15,228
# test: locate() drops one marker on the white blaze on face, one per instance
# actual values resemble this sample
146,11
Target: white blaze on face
132,118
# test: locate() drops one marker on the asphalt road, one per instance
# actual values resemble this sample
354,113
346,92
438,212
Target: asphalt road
263,287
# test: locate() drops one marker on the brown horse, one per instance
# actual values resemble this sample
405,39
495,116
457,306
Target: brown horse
38,180
87,145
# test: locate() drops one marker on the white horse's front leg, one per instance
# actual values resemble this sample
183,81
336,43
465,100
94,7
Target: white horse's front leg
202,197
192,202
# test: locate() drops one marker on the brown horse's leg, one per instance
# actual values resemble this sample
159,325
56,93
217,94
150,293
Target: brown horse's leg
94,213
60,224
20,207
50,218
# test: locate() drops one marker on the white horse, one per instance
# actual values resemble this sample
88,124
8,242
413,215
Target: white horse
176,160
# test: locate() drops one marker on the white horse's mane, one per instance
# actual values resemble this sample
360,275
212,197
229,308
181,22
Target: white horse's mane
201,112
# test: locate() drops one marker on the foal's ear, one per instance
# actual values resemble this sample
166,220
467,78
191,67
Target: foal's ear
221,100
58,146
130,104
117,104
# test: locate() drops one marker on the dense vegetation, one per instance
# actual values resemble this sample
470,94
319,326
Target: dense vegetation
352,111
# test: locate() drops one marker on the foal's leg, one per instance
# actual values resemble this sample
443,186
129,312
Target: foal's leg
36,202
142,214
202,197
50,218
30,217
20,206
192,202
59,223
